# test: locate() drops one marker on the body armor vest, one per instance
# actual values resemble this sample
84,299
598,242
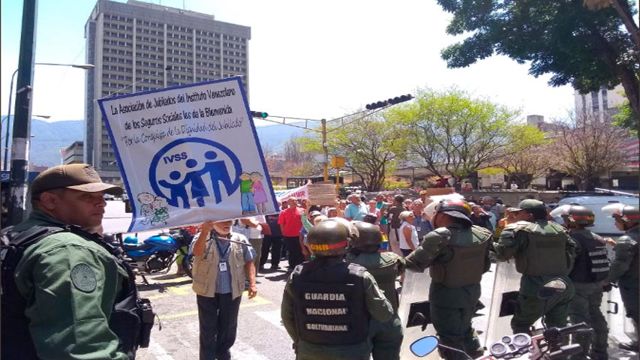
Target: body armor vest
546,251
385,273
634,267
591,264
330,303
131,319
467,264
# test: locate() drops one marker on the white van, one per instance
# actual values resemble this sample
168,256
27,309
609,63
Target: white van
603,224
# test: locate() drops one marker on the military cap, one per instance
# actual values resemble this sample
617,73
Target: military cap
81,177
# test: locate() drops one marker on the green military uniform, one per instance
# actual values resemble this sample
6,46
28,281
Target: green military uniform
385,267
376,306
625,269
457,256
590,268
70,285
543,251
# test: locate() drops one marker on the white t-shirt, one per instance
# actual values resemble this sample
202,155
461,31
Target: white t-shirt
404,244
248,231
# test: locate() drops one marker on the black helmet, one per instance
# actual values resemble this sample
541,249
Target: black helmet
631,214
580,215
626,213
368,234
331,237
456,208
370,218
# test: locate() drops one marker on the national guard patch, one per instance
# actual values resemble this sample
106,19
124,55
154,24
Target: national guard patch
83,278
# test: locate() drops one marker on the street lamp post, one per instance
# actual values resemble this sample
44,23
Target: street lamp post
5,164
19,168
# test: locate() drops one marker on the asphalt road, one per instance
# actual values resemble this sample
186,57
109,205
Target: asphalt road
261,335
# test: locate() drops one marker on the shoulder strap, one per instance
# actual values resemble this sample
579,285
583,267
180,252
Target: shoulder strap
30,236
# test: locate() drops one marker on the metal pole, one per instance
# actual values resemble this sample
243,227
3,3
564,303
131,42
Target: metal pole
5,164
22,120
325,149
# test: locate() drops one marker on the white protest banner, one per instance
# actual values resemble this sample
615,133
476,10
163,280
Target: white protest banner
188,154
301,192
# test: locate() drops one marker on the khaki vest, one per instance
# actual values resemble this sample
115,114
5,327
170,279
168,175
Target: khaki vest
467,264
546,252
205,268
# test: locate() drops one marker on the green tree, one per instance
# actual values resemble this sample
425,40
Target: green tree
582,47
298,159
625,118
452,133
370,144
526,156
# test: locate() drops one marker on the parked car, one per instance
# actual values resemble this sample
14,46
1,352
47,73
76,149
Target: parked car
603,224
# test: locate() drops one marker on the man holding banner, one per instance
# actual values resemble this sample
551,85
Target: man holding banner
218,281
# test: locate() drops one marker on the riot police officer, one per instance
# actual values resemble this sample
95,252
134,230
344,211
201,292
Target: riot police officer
625,267
543,251
591,268
457,254
385,267
327,302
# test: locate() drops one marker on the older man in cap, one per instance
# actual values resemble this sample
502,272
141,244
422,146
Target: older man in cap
65,294
543,251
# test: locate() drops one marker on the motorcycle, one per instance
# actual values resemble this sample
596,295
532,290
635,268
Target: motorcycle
546,344
158,252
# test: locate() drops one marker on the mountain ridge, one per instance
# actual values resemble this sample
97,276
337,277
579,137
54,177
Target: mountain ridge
50,137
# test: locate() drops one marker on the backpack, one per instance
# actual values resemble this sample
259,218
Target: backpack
131,320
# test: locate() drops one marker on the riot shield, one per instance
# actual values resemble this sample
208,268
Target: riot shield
414,312
621,328
503,302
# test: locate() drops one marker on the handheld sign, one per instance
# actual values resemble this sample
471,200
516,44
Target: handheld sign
188,154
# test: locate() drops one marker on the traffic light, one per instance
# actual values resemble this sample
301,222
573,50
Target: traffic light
259,114
392,101
399,99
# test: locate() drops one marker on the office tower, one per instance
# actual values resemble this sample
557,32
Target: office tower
599,105
137,46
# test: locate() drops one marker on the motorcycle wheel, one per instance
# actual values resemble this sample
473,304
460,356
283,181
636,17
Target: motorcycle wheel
187,264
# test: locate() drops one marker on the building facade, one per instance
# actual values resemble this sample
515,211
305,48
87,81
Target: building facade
73,154
600,105
137,46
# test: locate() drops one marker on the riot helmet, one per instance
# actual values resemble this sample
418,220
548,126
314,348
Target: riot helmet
370,218
458,209
331,237
574,215
626,213
368,234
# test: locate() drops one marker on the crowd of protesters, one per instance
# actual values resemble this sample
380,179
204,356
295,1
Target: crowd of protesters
401,219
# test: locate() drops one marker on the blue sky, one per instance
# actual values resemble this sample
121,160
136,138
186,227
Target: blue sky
307,59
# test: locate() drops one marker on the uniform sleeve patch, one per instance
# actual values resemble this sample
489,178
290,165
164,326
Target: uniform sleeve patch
83,278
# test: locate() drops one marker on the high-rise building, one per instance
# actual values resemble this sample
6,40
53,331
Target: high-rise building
599,105
137,46
73,154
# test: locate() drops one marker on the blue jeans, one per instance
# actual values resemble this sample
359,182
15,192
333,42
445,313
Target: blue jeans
247,202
